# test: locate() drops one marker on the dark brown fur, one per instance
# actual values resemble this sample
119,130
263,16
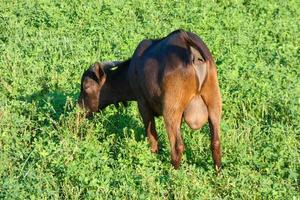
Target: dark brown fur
175,77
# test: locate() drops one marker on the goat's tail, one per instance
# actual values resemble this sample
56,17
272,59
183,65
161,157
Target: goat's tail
197,43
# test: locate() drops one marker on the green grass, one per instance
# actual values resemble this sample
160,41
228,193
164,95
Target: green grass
45,154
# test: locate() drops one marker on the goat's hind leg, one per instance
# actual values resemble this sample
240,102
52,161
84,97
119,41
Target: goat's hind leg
212,98
173,123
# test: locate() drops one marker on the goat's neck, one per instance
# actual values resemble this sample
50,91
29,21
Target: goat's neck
116,89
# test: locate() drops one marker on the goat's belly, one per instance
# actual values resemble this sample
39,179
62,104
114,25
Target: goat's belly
156,105
196,114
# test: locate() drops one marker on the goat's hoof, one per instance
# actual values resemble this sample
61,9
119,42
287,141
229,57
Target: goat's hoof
218,170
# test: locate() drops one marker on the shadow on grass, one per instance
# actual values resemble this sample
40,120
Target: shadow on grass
121,120
201,161
54,104
200,154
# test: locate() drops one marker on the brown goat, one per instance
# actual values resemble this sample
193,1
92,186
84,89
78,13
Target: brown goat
175,77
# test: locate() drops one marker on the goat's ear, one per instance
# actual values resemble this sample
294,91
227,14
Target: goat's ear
99,71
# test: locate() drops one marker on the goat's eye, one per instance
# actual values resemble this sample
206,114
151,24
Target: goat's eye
86,86
88,83
201,59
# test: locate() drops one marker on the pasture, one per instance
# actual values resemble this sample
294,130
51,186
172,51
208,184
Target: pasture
46,153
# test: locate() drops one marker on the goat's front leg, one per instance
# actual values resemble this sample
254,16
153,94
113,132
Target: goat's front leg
149,124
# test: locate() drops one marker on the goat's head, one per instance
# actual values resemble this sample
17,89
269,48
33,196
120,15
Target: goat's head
92,81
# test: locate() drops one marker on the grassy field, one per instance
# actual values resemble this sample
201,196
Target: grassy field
44,154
